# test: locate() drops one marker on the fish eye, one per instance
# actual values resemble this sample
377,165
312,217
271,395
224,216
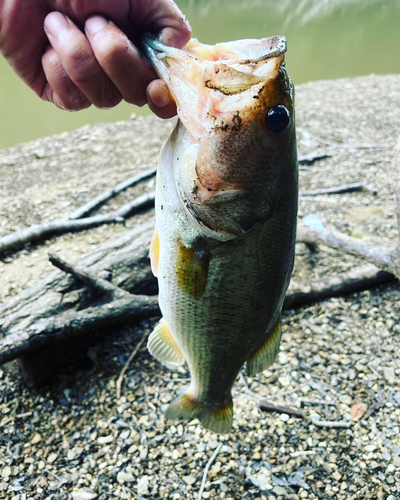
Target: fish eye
277,119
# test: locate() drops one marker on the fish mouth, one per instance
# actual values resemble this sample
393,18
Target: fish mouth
207,81
247,57
240,52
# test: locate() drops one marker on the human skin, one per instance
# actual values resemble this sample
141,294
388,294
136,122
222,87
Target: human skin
75,53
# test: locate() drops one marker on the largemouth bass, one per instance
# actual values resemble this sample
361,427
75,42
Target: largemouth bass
226,206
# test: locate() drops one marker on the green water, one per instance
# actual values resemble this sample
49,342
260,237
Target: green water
326,39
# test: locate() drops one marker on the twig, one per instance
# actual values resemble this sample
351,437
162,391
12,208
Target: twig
345,188
51,228
312,158
338,424
372,409
62,226
270,407
356,146
359,278
316,402
111,193
207,468
140,203
90,280
123,371
302,453
54,475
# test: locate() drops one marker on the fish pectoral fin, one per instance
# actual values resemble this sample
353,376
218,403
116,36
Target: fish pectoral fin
163,347
191,269
266,354
154,252
186,407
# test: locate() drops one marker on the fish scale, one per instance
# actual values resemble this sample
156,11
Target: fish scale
226,208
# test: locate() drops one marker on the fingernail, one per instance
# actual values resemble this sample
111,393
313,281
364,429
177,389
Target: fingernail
55,23
95,24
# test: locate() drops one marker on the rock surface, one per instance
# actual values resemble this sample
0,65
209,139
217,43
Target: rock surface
73,438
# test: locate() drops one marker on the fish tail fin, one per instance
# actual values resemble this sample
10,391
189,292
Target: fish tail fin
266,354
185,407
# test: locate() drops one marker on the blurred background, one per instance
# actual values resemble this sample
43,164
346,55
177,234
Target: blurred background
327,39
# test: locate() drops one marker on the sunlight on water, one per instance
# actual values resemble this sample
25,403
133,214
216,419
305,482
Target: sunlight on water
326,39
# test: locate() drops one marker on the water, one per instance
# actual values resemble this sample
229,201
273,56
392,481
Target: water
326,39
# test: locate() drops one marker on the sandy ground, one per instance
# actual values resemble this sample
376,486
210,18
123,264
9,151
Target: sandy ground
74,439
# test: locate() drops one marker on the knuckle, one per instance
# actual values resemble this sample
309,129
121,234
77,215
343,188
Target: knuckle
111,51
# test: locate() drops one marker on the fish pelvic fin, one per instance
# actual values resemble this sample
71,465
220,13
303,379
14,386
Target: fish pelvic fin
266,354
163,347
185,407
154,252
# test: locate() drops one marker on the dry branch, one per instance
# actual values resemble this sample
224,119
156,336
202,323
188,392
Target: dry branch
335,145
381,257
126,366
315,290
142,202
270,407
75,323
51,228
207,468
345,188
338,424
90,280
107,195
311,158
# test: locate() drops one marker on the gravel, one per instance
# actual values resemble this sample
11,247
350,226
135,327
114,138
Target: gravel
338,362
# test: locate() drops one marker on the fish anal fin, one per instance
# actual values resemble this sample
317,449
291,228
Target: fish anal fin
192,268
266,354
154,252
185,407
163,347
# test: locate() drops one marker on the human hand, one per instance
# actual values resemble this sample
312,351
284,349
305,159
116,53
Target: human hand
101,66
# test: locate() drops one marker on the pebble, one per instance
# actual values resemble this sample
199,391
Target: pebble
344,398
6,472
125,477
36,438
84,494
388,373
105,439
143,486
278,490
189,479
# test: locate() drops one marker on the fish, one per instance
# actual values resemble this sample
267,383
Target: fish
226,211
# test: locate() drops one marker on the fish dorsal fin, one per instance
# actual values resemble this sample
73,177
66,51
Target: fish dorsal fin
266,354
154,252
185,407
163,347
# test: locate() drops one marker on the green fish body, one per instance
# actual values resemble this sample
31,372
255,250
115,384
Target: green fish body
226,208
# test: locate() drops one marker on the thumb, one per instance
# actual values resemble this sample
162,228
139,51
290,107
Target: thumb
165,18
